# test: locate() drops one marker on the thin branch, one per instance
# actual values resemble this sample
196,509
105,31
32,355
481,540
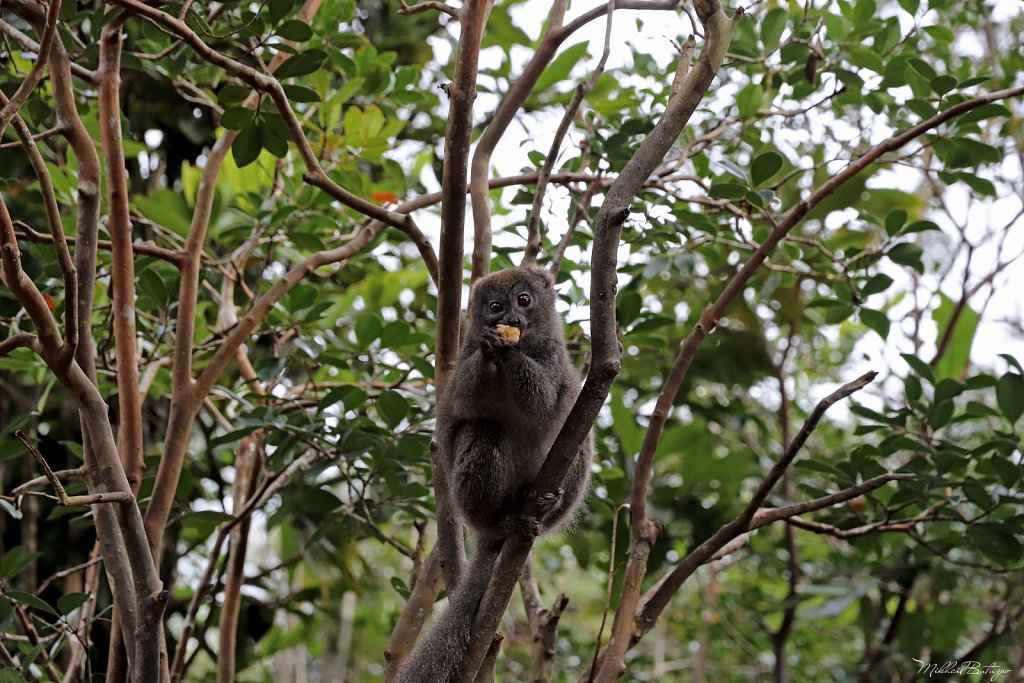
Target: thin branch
31,80
579,214
60,243
414,614
25,232
428,5
21,340
519,91
62,496
38,647
449,284
533,236
76,474
752,517
606,360
32,46
48,133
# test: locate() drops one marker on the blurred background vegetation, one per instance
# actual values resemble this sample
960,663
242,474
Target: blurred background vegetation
909,269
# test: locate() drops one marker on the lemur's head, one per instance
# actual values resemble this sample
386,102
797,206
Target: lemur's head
522,297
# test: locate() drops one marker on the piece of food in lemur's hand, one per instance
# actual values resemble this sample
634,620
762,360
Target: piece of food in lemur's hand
509,333
497,418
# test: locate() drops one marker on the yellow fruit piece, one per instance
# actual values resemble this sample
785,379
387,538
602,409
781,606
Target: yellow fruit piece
509,333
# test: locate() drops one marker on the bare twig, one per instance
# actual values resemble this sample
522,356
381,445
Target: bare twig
21,340
449,293
533,236
35,74
48,133
62,496
60,243
428,5
32,46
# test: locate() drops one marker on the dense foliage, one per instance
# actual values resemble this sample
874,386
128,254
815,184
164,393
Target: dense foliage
318,429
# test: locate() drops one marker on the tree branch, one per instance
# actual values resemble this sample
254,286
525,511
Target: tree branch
605,364
25,232
32,46
122,271
517,95
31,80
533,236
21,340
52,211
427,5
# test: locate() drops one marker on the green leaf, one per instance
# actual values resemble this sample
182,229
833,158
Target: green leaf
772,25
896,219
907,254
30,600
922,369
237,118
876,320
69,602
247,146
941,414
232,94
943,84
948,388
395,333
749,99
765,166
295,30
941,34
1013,362
561,66
727,191
273,135
279,9
922,67
956,350
301,64
877,284
866,59
1010,395
985,111
167,208
368,328
982,186
15,561
392,406
912,388
13,675
400,587
301,93
910,6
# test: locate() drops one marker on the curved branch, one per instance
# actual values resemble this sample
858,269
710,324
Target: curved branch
52,210
605,358
267,84
517,95
533,236
31,80
30,45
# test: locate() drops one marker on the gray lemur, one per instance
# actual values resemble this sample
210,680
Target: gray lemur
511,390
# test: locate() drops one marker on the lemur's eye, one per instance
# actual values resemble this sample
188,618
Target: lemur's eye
524,300
494,307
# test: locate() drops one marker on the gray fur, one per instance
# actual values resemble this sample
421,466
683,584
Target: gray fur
496,421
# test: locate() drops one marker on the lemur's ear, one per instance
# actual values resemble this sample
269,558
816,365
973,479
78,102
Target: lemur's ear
546,277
